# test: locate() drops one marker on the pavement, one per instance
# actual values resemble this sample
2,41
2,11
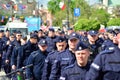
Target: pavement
2,75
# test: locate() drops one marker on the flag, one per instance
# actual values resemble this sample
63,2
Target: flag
62,5
4,6
8,6
21,7
24,6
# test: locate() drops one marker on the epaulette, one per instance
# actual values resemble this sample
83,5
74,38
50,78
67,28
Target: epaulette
109,50
70,66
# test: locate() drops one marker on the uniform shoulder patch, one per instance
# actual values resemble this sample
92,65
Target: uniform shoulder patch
97,67
107,51
62,78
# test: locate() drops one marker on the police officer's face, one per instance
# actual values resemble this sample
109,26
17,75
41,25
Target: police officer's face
1,34
12,38
110,36
92,38
33,40
61,46
72,43
42,48
18,36
40,34
82,57
51,33
118,38
70,31
7,34
115,40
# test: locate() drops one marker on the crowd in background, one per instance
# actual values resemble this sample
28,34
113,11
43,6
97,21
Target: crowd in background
60,55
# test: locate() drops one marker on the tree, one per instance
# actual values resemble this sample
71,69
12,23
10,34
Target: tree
87,24
114,22
100,15
53,7
116,11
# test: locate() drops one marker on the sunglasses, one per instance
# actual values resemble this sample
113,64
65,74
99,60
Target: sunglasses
12,37
19,35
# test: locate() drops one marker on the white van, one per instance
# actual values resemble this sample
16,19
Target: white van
18,26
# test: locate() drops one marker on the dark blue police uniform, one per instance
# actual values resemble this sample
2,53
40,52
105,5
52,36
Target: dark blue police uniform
106,66
106,44
2,48
51,41
49,61
23,53
75,72
63,60
36,58
96,47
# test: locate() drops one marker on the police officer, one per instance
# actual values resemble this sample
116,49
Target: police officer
41,34
2,47
78,70
69,30
109,42
106,65
7,42
94,43
23,40
51,40
65,58
16,44
37,59
25,50
61,45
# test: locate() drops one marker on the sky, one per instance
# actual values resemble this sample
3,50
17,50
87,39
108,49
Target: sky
44,2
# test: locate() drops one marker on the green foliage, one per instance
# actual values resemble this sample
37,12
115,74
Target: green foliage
87,24
53,6
58,19
114,22
90,18
100,15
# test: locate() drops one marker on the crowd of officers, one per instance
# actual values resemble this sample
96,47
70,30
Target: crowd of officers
57,55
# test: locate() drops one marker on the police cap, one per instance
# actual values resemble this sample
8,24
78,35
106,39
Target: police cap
73,35
42,42
60,39
92,32
81,47
51,29
33,35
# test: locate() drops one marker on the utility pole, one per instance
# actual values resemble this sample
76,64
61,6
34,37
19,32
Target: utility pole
68,20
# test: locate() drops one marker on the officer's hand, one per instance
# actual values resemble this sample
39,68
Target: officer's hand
7,61
0,55
18,73
13,67
8,42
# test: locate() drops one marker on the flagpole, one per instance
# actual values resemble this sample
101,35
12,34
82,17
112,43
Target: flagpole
68,24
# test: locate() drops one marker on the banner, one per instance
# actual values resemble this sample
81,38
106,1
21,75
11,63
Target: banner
33,23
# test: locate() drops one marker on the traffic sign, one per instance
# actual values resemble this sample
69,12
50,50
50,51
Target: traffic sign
76,12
